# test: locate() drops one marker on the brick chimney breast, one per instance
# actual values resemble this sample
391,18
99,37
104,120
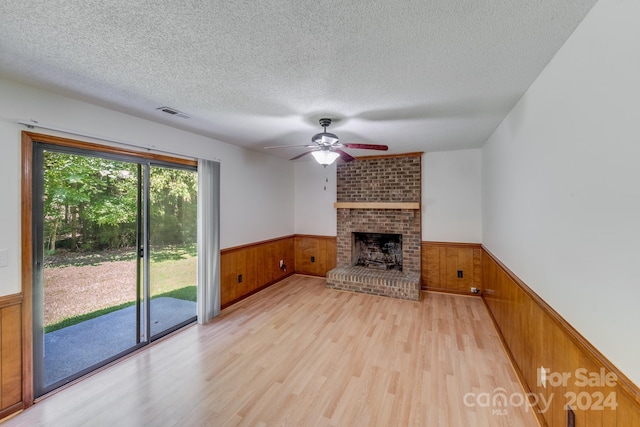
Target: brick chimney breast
392,179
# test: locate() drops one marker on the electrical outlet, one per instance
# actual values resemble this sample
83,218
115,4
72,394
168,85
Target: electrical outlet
239,278
460,274
281,263
313,259
475,290
571,417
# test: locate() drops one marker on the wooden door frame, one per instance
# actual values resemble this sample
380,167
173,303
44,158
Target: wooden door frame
28,140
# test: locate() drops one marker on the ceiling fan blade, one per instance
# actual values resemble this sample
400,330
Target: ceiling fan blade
368,146
286,146
303,154
346,157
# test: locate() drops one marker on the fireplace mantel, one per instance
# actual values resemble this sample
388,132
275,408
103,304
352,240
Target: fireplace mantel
376,205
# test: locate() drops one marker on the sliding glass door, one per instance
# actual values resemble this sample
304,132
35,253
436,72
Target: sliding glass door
114,257
173,264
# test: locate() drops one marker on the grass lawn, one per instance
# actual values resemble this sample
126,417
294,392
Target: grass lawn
172,274
82,290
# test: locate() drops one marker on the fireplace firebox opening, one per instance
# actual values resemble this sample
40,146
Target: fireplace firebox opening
378,251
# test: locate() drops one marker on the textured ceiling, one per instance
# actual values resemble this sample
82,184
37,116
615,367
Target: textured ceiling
417,75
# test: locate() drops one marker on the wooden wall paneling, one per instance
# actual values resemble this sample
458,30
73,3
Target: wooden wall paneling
542,355
423,270
558,415
300,244
230,279
284,250
504,298
532,326
464,263
242,288
536,344
441,262
450,260
322,248
572,354
290,257
267,253
233,274
609,414
10,354
537,337
431,268
511,306
628,412
304,249
279,253
272,262
443,281
593,416
477,268
251,269
280,249
311,249
259,265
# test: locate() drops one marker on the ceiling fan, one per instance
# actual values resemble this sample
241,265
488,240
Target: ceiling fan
326,147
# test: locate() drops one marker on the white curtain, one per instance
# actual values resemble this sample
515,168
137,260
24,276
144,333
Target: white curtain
208,240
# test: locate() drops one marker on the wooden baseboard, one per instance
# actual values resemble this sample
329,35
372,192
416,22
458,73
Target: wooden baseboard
10,411
536,336
449,291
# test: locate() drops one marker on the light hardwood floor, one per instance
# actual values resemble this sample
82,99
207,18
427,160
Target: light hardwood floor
298,354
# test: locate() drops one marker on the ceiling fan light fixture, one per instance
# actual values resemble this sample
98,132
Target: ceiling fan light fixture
325,138
325,157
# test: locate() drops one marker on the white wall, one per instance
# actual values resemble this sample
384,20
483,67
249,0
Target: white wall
451,196
314,211
561,183
256,189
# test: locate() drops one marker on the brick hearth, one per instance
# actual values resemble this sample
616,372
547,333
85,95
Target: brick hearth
386,180
388,283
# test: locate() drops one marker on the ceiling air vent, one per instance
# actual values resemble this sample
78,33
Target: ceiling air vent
173,112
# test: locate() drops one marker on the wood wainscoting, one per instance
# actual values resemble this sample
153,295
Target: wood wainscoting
535,336
10,354
258,264
315,255
442,262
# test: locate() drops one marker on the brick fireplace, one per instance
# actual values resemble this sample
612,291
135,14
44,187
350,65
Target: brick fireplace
379,196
